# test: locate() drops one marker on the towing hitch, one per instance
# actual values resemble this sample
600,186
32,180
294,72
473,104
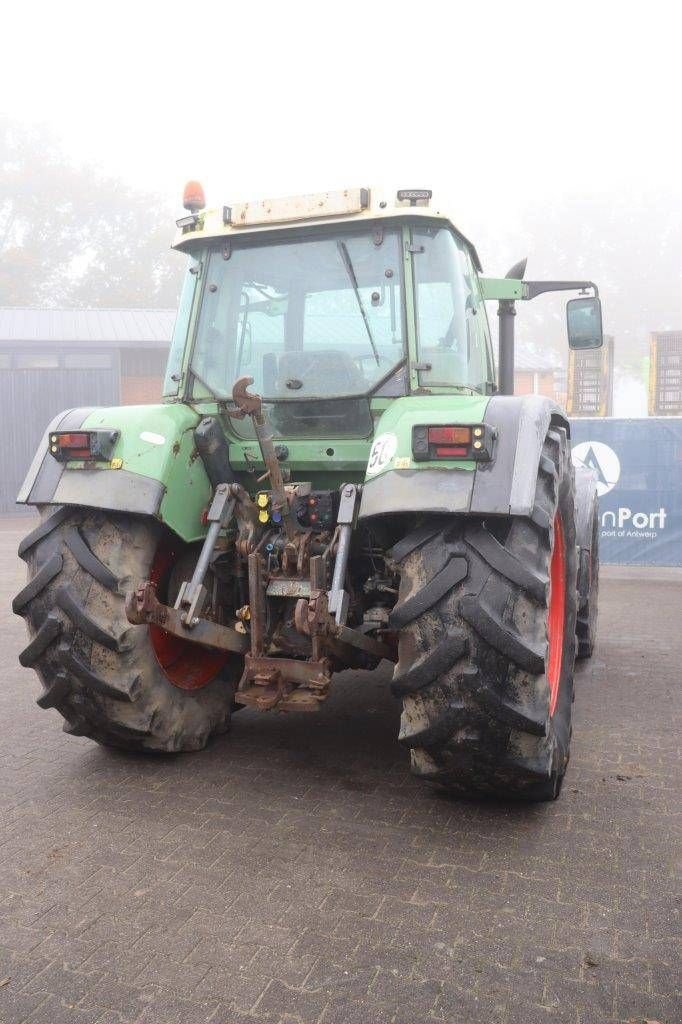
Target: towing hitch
295,574
144,608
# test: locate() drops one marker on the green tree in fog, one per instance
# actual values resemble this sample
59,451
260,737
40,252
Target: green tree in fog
71,236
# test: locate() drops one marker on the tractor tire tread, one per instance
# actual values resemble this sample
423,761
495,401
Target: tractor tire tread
547,467
585,636
500,636
68,603
55,692
438,731
89,562
414,540
43,577
121,690
452,573
435,664
540,517
43,529
507,564
49,631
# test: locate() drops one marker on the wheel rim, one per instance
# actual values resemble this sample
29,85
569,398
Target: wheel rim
187,666
556,613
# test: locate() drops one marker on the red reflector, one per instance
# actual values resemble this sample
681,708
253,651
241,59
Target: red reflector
449,435
73,441
452,452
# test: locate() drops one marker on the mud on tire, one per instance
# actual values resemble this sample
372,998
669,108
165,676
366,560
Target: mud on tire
98,670
473,649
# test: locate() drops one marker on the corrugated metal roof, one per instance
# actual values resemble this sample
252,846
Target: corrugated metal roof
144,326
101,326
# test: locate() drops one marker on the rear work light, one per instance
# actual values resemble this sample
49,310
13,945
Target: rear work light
452,442
88,445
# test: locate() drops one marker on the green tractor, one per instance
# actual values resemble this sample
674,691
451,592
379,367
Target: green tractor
334,477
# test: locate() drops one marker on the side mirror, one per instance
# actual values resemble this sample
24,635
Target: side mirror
583,318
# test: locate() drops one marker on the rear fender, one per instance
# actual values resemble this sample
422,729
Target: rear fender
504,486
154,468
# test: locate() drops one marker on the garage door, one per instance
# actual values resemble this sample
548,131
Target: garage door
36,385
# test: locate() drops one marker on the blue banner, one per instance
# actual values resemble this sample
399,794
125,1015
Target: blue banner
638,464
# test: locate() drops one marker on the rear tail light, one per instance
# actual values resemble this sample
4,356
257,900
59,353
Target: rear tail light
83,445
449,435
452,442
77,445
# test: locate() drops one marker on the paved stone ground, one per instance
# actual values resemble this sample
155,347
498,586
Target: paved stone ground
296,872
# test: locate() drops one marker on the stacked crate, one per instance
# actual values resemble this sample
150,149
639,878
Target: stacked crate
665,374
590,381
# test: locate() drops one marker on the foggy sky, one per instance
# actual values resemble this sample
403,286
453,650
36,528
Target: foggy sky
488,103
501,108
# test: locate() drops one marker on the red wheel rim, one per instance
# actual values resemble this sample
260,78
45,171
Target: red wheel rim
556,613
185,665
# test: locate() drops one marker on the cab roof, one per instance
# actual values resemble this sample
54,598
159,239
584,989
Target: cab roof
351,205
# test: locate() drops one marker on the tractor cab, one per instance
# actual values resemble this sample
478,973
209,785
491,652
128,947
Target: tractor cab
329,313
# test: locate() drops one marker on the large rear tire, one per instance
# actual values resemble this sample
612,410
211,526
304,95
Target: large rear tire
121,685
487,619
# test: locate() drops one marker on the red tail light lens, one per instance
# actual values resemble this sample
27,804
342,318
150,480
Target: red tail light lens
449,435
75,446
453,442
72,445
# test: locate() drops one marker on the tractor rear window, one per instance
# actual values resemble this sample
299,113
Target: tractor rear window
308,318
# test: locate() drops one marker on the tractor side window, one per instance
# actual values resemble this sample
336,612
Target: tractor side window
483,351
173,378
451,347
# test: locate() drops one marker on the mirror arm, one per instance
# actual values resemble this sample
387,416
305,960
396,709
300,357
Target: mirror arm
533,288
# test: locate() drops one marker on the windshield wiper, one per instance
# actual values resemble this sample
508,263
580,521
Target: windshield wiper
343,249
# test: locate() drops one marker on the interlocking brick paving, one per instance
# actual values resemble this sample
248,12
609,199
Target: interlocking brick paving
296,872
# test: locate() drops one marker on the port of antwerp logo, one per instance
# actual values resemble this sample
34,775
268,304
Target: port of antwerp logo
603,462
